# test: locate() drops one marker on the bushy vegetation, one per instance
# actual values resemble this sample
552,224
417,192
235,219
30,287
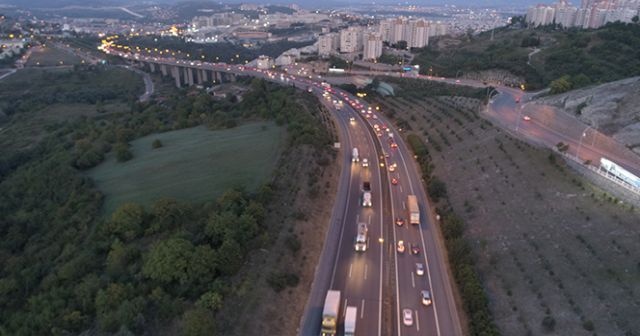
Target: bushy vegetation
585,56
65,269
417,88
34,89
475,301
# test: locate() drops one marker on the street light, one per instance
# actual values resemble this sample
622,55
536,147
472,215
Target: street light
584,134
519,117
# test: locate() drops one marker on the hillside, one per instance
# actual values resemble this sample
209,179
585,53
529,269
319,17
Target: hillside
586,56
611,108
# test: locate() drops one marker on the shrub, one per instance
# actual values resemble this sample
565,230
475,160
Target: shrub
156,144
548,323
280,281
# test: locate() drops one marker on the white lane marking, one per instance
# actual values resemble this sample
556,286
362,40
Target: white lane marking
400,189
413,280
404,205
362,309
365,271
417,320
350,268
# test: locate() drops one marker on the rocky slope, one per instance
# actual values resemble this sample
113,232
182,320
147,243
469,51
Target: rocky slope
613,108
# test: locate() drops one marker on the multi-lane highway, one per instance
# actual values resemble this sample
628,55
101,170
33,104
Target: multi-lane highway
381,282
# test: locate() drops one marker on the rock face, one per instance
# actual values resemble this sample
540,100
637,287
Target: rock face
612,108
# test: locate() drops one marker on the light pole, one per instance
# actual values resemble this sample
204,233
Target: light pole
519,117
457,72
584,134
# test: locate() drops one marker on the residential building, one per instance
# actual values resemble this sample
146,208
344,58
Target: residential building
372,46
328,44
351,40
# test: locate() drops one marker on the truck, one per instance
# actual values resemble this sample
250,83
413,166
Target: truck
361,237
366,194
414,211
350,318
354,155
330,313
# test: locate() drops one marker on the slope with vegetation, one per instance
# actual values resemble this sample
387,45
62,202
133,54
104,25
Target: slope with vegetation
164,269
575,57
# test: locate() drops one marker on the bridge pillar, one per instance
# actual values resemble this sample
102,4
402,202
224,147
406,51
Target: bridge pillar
215,77
175,72
199,78
152,67
232,77
163,69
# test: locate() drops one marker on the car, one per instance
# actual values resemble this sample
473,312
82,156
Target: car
375,116
394,181
457,81
407,317
365,163
378,134
419,269
517,100
526,118
399,221
414,249
394,145
400,247
392,168
425,297
352,120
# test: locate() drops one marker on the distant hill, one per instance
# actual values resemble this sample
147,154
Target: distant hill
584,56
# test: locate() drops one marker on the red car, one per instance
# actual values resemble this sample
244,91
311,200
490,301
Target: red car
399,221
394,181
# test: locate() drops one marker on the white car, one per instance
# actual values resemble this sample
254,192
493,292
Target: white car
400,247
407,317
419,269
365,163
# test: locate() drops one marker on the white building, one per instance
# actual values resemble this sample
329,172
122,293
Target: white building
351,40
328,44
372,46
566,16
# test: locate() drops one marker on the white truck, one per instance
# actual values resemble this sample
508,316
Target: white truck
414,211
366,194
354,155
350,318
330,313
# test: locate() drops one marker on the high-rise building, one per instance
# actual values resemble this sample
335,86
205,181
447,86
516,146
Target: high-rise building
591,14
351,40
328,44
372,46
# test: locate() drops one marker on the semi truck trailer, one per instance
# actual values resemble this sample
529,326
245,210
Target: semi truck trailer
330,313
414,211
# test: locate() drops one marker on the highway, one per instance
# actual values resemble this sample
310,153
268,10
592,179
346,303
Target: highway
380,282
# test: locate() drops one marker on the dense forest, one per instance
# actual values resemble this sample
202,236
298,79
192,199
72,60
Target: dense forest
66,269
584,56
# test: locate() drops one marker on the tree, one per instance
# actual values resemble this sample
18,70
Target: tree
169,260
560,85
127,221
156,144
122,152
198,322
210,300
635,19
401,45
436,189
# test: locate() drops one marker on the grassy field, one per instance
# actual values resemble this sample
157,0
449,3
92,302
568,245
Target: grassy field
557,256
193,165
50,56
